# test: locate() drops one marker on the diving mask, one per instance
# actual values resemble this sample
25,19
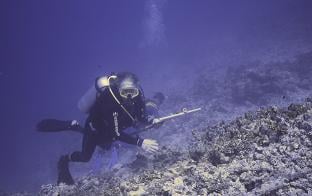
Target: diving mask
129,92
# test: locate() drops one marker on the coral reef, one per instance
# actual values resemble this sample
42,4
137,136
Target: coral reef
256,83
263,152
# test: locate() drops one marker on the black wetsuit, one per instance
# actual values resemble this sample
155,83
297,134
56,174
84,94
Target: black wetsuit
107,121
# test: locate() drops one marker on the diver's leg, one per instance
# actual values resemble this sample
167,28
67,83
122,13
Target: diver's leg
88,147
64,175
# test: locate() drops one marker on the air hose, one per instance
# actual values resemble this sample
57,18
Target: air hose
111,91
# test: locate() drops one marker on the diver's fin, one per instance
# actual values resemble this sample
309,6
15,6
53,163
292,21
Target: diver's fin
54,125
64,175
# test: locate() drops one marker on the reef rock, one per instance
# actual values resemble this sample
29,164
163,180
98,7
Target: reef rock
266,152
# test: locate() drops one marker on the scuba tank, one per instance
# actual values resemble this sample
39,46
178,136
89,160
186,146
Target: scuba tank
88,99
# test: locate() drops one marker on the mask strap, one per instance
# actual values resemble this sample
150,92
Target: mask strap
111,91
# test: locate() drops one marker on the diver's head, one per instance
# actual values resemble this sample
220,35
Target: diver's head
128,85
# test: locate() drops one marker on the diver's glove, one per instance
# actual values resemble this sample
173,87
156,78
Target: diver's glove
154,122
150,145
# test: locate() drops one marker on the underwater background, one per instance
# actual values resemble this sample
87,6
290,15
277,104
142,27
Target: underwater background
227,57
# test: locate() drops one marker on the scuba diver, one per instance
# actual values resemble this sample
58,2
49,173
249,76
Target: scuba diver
113,104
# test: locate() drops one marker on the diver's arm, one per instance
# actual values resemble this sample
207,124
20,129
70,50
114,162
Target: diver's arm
149,111
129,139
143,116
148,145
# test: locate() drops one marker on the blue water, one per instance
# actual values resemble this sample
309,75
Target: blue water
51,52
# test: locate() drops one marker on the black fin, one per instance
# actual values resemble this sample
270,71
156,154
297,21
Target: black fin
54,125
64,175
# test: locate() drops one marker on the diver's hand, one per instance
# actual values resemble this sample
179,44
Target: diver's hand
150,145
154,122
157,123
